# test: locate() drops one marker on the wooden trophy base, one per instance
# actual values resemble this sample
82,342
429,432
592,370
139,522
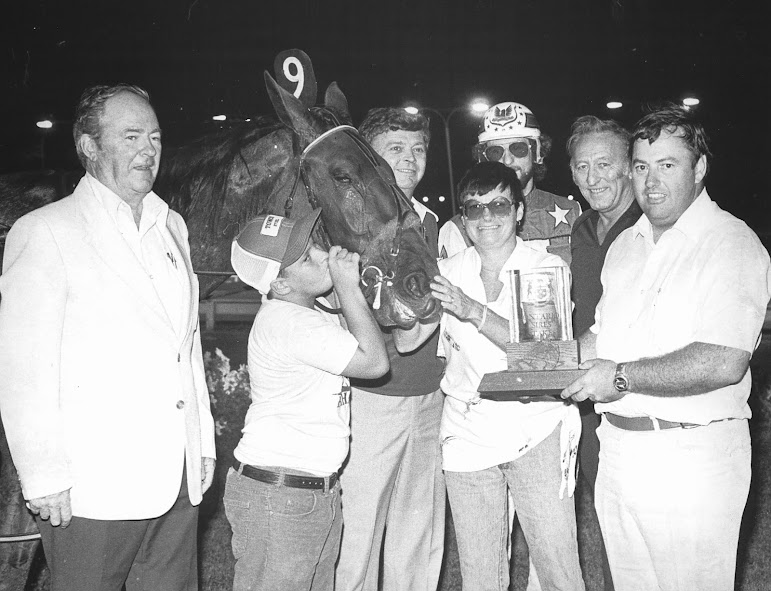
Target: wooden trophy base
537,370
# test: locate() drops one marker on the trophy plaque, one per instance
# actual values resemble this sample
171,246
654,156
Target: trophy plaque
542,355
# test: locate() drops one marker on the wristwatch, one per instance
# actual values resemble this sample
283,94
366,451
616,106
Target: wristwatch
621,380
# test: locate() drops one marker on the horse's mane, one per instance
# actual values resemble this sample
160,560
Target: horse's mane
195,175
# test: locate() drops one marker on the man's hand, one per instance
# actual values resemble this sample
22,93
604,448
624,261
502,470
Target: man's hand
596,384
207,473
344,269
55,507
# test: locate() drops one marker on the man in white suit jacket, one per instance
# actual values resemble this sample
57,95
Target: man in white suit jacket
102,389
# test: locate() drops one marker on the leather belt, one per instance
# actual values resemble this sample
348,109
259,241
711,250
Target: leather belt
644,423
324,483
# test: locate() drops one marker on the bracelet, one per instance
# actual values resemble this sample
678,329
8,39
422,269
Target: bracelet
484,317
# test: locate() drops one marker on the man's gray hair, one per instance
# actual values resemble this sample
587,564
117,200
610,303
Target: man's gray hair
590,124
90,109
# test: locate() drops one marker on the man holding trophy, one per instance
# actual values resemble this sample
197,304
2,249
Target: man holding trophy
684,296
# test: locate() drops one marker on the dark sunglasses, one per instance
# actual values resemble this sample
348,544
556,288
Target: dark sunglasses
518,149
474,210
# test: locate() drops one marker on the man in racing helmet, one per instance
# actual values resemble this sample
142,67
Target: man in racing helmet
510,134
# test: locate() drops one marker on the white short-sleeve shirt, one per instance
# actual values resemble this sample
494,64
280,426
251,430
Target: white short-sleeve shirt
300,412
706,280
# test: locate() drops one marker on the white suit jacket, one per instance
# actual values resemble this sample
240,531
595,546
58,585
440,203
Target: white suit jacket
98,393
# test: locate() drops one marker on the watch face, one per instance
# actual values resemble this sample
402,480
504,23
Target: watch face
621,383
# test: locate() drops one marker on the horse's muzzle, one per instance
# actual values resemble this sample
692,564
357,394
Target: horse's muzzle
417,285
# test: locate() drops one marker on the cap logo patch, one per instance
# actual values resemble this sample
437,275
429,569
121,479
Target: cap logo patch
505,116
503,113
271,225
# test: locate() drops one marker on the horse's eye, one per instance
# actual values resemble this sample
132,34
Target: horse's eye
341,177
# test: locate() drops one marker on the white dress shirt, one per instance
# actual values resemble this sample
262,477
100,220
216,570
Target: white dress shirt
706,280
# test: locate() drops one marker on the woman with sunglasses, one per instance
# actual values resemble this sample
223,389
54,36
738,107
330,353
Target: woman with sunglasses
491,447
510,134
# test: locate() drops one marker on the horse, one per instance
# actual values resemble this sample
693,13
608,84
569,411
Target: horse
308,158
315,159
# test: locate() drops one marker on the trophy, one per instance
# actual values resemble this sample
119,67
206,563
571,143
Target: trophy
542,355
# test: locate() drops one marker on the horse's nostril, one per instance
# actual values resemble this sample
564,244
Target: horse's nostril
416,284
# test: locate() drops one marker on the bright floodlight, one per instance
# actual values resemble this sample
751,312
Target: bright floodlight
45,124
220,117
411,110
441,198
479,106
614,104
690,101
425,199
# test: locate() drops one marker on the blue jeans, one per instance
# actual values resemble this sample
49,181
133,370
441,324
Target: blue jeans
480,511
283,538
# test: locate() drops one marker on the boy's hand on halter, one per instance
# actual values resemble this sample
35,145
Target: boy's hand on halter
344,268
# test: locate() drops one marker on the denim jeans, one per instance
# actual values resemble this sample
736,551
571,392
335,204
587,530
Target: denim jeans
480,511
670,504
283,538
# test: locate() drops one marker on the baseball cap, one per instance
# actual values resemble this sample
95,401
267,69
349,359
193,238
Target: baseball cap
268,244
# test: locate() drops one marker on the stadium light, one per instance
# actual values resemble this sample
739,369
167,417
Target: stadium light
477,107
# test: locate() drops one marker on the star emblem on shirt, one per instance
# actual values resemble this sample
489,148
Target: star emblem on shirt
560,215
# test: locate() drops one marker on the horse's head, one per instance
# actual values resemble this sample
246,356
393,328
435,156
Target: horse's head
362,207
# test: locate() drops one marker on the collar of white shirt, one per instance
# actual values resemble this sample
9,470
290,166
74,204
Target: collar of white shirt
692,223
422,210
154,209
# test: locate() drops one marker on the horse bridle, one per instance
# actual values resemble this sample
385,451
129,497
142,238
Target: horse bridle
401,201
402,205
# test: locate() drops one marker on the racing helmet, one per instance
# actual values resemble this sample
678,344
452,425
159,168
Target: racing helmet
510,120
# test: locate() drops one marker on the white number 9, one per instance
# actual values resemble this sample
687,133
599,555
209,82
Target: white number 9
298,76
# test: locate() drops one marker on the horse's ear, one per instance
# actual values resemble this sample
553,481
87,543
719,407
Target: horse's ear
291,112
294,73
335,99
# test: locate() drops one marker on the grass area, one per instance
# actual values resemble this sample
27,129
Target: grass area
754,564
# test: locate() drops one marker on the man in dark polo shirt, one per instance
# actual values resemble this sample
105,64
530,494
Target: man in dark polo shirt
394,499
599,162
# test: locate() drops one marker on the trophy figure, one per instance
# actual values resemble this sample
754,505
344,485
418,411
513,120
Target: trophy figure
542,355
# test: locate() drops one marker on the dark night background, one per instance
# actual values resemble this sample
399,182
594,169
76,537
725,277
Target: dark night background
561,58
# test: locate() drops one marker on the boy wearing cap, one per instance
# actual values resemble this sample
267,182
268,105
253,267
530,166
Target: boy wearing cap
282,496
